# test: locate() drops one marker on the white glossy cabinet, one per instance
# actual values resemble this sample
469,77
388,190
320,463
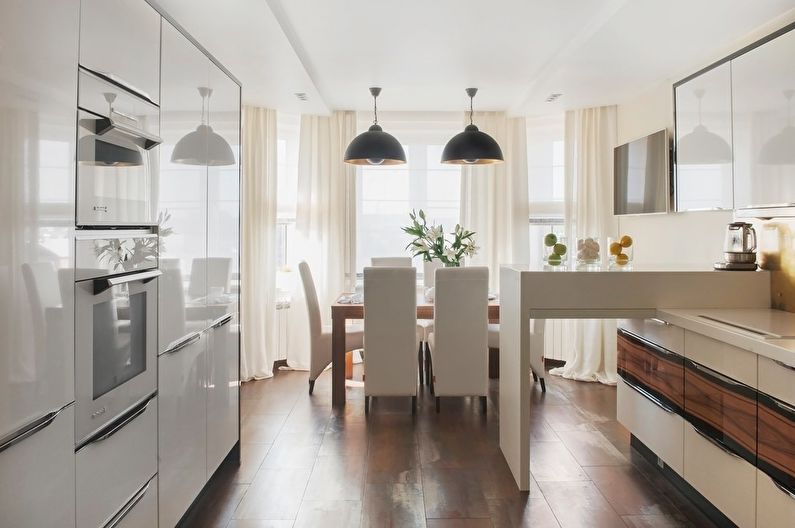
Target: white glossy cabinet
222,391
182,379
37,476
38,76
122,38
775,506
763,85
141,510
113,467
703,141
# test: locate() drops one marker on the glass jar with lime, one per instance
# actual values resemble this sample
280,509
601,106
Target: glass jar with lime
555,251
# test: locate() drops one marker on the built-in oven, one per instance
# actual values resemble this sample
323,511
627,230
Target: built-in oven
116,325
117,153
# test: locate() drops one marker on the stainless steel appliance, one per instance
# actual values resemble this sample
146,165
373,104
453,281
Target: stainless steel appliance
739,247
116,322
117,153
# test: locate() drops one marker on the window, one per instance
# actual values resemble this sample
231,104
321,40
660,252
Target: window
386,195
287,131
545,164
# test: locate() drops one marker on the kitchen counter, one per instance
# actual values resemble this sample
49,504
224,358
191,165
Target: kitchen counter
764,331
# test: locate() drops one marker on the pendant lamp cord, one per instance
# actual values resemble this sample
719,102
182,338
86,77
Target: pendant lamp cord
375,109
471,110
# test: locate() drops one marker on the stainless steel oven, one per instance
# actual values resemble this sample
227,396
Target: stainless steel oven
116,324
117,153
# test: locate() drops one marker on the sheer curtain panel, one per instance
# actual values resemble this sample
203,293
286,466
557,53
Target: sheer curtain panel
325,222
258,259
494,198
589,142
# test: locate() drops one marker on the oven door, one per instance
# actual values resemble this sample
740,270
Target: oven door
116,347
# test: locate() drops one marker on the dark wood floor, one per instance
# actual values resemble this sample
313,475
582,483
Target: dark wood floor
304,465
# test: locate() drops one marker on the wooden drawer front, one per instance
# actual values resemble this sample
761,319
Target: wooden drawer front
727,481
721,408
777,379
657,331
774,506
776,440
734,362
661,430
653,369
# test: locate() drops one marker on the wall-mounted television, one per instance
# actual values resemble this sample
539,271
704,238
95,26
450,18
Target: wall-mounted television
641,174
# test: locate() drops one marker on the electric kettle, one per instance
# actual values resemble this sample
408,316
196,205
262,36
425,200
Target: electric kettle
739,246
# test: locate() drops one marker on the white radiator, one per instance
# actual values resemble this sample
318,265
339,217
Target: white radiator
558,339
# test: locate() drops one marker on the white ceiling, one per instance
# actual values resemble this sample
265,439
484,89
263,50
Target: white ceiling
425,52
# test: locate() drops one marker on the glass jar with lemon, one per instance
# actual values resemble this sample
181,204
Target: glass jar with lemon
555,252
621,252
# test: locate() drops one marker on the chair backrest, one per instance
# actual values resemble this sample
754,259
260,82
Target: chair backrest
429,271
460,347
215,270
390,331
312,304
392,262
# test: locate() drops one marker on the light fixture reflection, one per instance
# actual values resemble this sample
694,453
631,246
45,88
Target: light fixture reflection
780,149
702,147
203,146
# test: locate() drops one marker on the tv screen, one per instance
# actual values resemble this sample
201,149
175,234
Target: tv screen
640,172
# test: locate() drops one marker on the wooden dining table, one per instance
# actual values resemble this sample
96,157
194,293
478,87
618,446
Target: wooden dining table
342,312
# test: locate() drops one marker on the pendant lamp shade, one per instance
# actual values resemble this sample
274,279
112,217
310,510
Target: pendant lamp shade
203,146
702,147
472,147
780,149
375,147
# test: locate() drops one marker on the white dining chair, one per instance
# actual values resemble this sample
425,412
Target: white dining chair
459,341
428,281
390,337
394,262
536,349
319,334
421,325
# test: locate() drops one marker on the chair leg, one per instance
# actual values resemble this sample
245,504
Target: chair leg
420,360
535,377
483,404
366,405
438,404
311,386
413,405
543,385
428,368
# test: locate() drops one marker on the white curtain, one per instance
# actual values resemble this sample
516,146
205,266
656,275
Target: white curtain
494,198
258,264
325,222
589,142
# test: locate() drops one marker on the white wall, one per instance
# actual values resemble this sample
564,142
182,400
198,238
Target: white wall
687,239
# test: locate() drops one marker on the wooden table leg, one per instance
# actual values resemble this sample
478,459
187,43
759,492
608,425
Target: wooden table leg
337,359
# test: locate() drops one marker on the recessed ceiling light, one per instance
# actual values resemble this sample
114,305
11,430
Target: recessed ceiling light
301,96
553,97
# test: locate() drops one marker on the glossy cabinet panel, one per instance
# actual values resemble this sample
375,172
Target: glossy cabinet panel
774,506
223,389
183,429
732,361
37,477
764,124
651,369
122,38
776,424
141,510
38,75
704,141
111,470
182,194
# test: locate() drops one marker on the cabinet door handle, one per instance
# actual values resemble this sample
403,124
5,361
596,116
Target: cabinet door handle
782,364
100,285
221,321
659,321
29,429
128,507
783,488
125,420
183,343
715,442
656,401
648,344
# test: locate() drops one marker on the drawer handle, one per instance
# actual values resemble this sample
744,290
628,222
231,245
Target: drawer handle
783,488
715,442
29,429
121,424
221,321
129,506
784,406
183,343
709,372
782,364
649,344
656,401
659,321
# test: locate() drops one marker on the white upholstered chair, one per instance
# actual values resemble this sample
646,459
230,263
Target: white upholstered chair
320,335
392,262
459,342
428,281
390,337
536,349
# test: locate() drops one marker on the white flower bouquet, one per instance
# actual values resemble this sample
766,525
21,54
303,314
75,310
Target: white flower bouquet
431,243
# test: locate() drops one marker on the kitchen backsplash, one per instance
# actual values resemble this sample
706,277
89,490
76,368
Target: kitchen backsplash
777,254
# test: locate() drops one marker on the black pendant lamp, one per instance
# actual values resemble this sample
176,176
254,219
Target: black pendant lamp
472,147
375,147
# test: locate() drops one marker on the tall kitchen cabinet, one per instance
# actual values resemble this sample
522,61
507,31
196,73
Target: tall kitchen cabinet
198,363
38,90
